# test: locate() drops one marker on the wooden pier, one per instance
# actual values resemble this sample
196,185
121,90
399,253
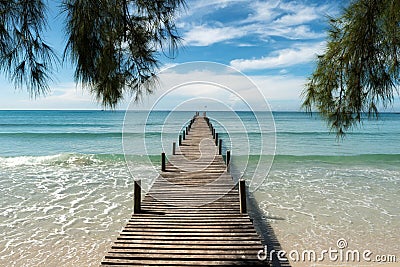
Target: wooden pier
193,214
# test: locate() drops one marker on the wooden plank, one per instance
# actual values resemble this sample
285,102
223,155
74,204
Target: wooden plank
190,234
158,262
204,251
202,257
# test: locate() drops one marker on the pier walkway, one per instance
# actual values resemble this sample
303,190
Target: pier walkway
193,214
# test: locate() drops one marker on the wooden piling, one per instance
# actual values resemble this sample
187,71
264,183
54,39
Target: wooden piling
242,196
173,148
163,162
228,157
137,197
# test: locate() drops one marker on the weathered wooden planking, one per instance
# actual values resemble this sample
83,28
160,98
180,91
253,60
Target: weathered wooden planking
191,216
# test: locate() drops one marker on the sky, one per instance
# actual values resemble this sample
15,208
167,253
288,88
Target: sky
272,43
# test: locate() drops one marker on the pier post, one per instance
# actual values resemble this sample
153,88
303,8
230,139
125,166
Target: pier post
216,139
220,147
228,160
137,196
242,196
173,148
183,135
180,140
163,162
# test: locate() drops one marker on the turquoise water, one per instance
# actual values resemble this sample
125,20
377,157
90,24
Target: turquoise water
40,133
66,189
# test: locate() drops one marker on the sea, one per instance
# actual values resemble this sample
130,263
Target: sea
66,179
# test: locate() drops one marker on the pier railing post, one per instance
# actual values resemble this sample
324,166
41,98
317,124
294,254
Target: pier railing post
242,196
228,160
180,140
184,135
216,139
173,148
163,162
137,196
220,147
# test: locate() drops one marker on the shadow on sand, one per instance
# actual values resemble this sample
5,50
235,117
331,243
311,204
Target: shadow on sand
265,230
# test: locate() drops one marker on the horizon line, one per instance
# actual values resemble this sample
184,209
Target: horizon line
167,110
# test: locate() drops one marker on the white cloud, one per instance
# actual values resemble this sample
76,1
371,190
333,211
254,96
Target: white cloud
283,87
301,16
63,96
203,35
280,59
291,20
179,86
287,13
292,33
278,90
201,7
263,11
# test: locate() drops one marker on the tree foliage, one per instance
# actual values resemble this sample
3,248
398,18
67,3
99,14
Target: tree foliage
24,56
359,70
113,44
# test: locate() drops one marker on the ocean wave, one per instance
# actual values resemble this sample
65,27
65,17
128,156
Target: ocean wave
62,135
317,160
76,159
58,159
38,124
328,133
386,158
87,159
80,134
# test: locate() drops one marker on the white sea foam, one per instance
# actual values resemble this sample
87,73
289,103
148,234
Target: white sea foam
61,159
28,160
57,212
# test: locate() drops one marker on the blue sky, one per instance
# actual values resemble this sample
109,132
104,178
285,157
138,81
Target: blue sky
273,42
